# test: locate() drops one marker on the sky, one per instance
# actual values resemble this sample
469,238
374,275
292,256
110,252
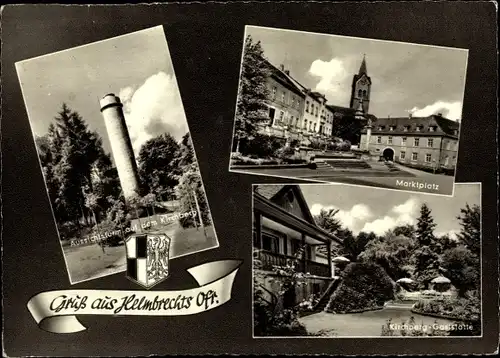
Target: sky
135,66
405,77
378,210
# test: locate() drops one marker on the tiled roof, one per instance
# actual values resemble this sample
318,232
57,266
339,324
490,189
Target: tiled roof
284,78
443,125
268,191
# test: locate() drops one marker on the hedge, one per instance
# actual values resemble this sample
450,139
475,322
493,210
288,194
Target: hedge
364,286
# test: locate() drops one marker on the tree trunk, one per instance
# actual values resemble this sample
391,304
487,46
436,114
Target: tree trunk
194,218
100,243
199,213
238,144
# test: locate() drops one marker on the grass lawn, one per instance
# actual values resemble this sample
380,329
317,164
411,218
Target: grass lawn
89,262
188,241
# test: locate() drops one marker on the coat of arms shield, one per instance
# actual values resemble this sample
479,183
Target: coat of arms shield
147,258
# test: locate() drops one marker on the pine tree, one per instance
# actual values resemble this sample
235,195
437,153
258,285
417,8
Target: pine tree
69,154
425,226
470,233
426,257
253,92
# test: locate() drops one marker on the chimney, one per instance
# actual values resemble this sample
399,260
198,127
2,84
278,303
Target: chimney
282,67
440,114
287,72
410,114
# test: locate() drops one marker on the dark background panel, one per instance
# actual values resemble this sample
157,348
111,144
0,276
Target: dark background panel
205,42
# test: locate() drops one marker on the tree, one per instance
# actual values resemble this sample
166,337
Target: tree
426,257
470,233
92,203
462,268
407,230
425,226
158,167
191,195
69,153
252,93
392,253
327,221
355,245
348,128
427,266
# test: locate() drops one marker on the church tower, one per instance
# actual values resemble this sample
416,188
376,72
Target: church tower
361,86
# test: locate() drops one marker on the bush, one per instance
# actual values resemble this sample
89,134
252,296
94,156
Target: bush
68,230
466,309
363,286
262,146
284,152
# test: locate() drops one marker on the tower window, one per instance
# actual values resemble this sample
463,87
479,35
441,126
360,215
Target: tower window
360,93
364,93
307,106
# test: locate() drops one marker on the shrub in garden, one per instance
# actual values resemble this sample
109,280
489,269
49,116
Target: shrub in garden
363,286
262,146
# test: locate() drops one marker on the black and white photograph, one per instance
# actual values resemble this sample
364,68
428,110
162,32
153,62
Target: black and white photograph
336,260
328,108
115,150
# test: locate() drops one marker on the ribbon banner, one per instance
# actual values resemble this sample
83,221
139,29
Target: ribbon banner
56,311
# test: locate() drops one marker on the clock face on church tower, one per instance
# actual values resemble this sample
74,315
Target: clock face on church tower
363,81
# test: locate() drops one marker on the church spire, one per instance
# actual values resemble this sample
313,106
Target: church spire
362,68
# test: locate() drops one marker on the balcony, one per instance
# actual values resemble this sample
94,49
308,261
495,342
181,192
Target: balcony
269,259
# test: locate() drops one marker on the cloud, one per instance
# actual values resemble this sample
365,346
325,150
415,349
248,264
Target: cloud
450,110
352,219
399,215
332,76
153,109
451,233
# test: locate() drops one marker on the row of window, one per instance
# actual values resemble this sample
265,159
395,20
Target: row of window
428,157
416,141
293,101
292,120
418,128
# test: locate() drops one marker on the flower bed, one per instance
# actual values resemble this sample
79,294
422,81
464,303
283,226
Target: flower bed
240,160
462,308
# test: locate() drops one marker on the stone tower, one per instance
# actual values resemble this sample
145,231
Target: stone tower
361,87
121,146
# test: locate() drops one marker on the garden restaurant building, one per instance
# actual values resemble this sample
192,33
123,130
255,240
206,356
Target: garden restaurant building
283,225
